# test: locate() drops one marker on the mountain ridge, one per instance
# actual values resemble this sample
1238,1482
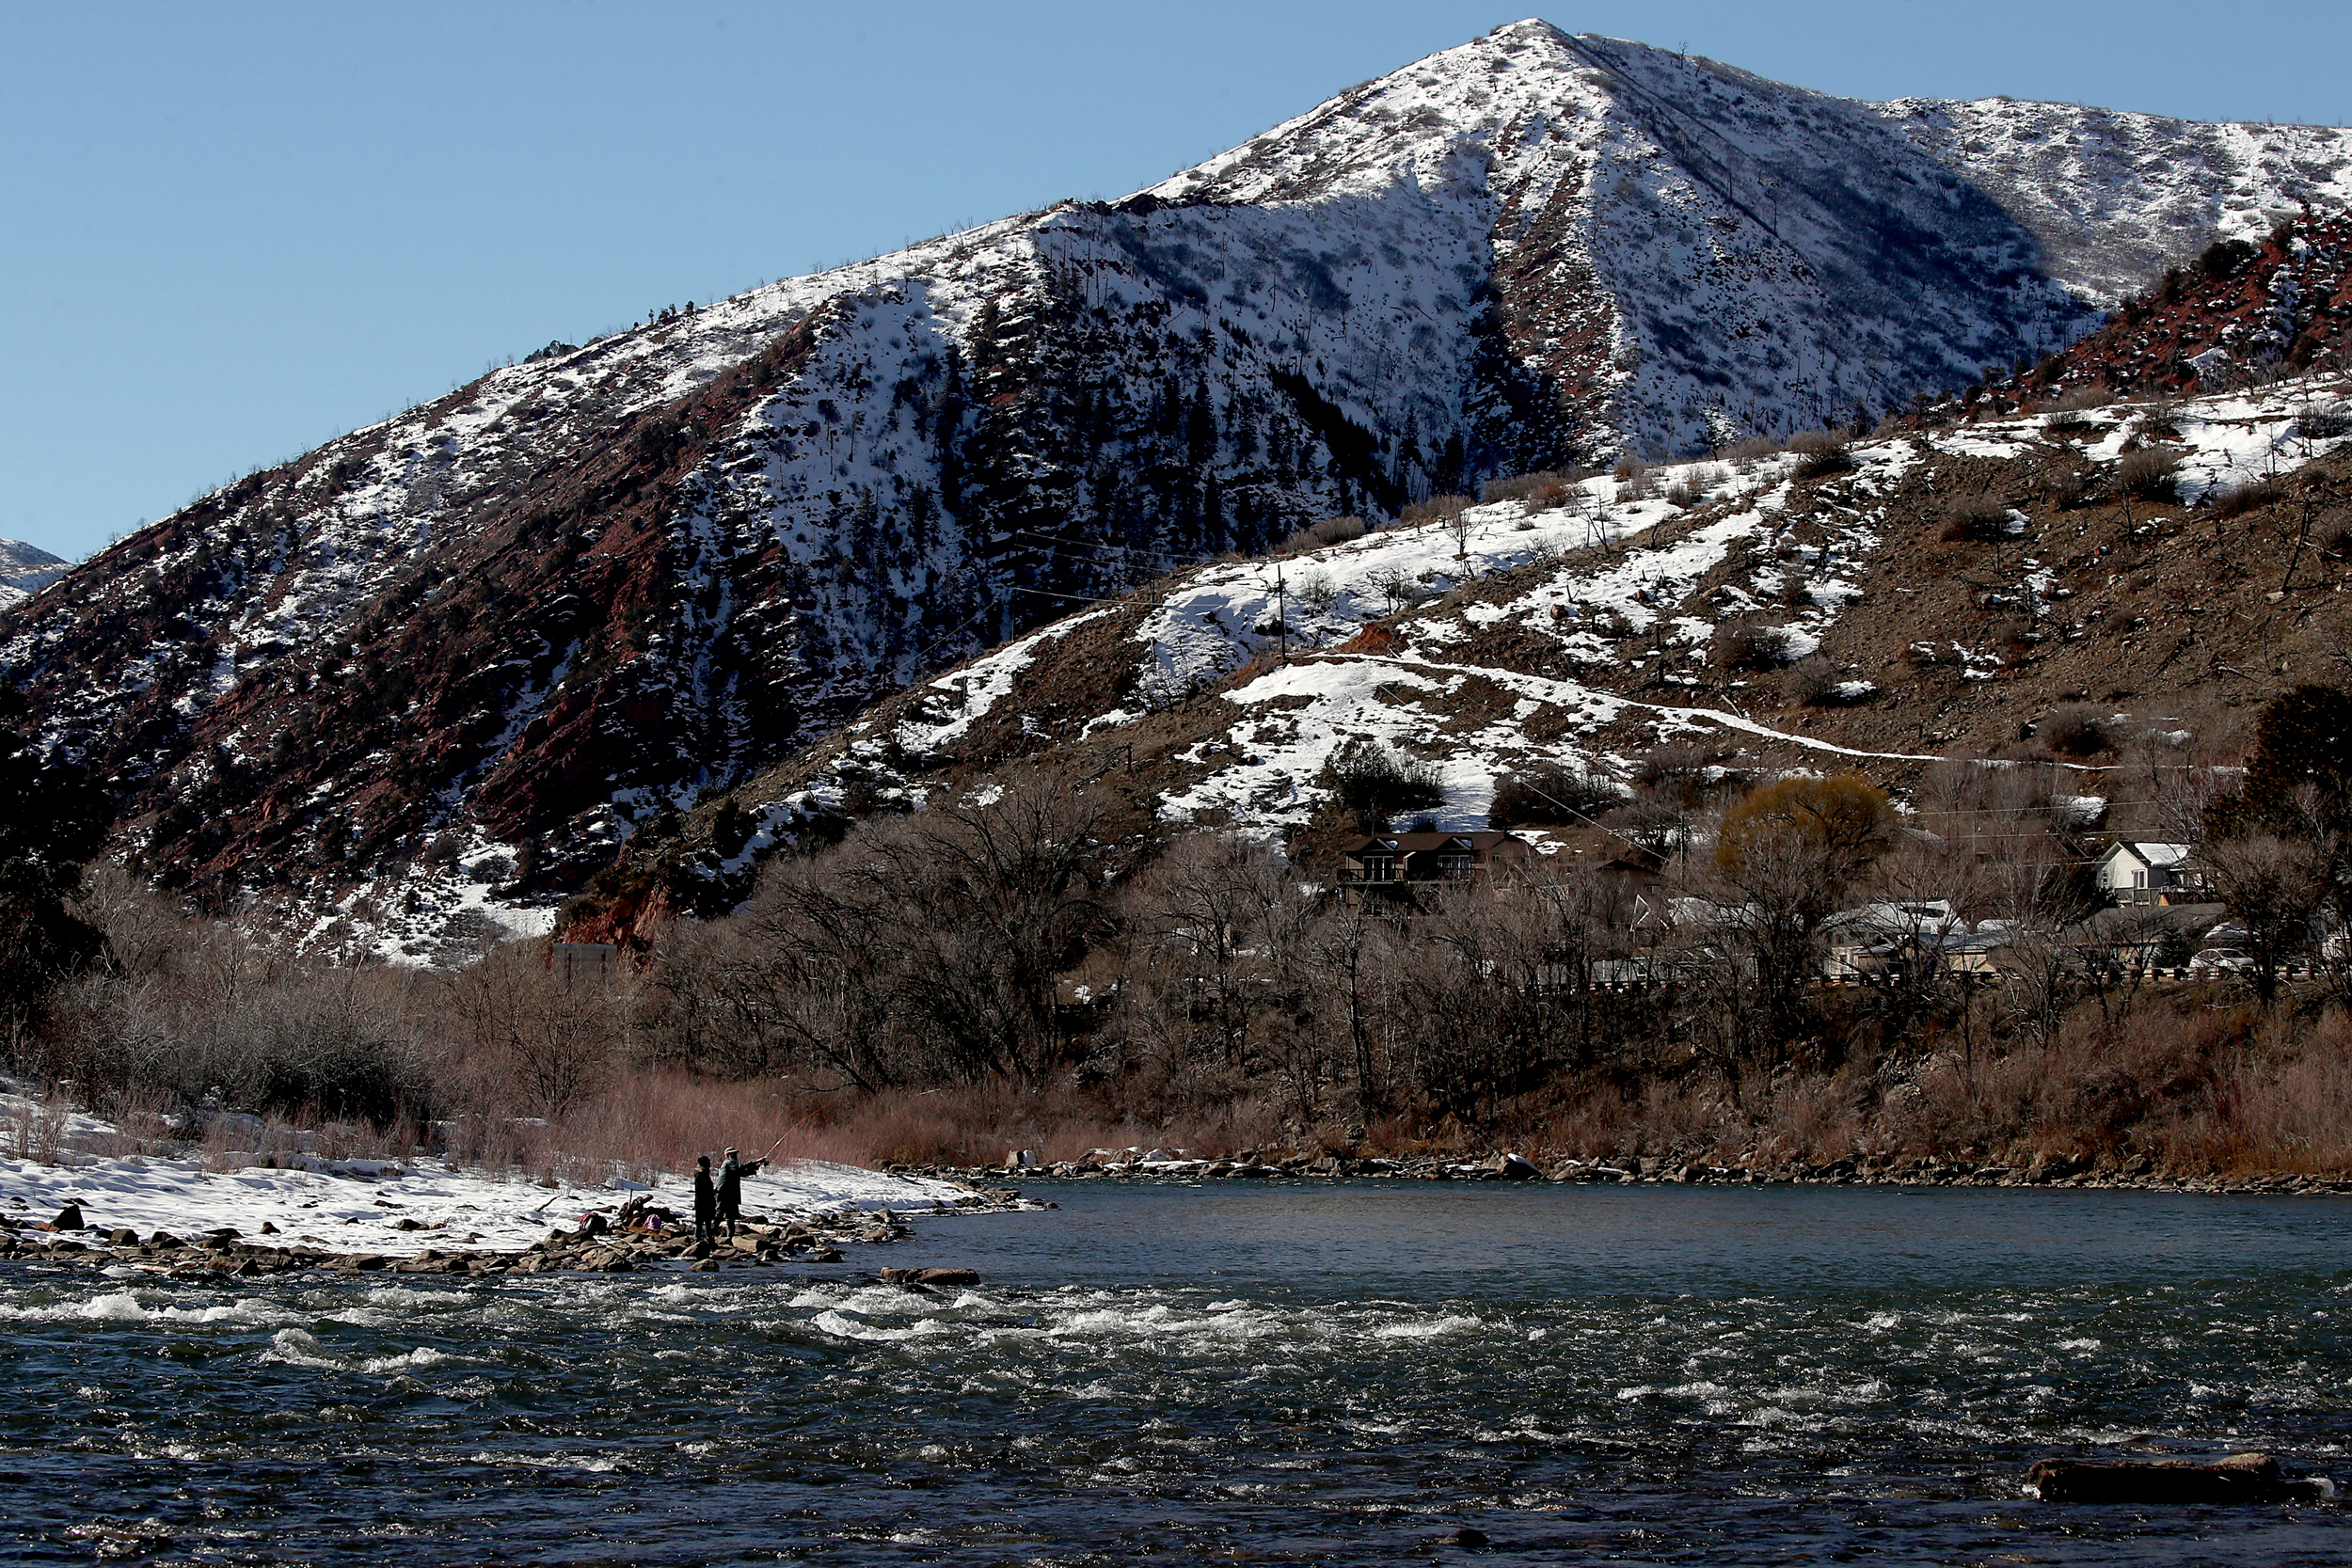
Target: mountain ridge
455,658
1785,611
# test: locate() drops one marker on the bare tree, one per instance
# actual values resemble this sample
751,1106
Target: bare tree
2277,886
536,1036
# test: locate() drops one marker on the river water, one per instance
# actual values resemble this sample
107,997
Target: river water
1326,1373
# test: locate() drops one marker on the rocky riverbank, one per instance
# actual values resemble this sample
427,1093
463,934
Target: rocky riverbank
638,1236
2136,1174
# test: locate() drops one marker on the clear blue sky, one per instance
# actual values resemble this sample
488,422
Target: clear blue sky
230,231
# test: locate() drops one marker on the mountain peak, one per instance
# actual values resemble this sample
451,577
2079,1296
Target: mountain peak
440,669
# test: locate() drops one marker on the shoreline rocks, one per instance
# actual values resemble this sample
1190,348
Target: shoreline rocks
2136,1174
637,1237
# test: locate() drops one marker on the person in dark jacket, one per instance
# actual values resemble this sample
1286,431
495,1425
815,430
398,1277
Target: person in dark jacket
706,1201
731,1176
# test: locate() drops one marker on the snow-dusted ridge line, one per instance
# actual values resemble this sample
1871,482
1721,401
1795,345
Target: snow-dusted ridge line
1219,619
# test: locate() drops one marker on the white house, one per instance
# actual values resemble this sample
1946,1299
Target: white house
2138,871
1878,939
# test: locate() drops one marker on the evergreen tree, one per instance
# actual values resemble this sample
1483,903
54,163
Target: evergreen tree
2302,756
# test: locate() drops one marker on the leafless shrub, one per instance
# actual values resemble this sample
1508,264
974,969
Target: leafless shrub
1318,592
1437,509
1809,681
2147,473
1815,681
2326,424
2016,631
1744,645
1636,481
1520,487
1755,449
2235,500
1982,519
1821,453
36,1130
1672,762
1330,530
2077,730
1398,587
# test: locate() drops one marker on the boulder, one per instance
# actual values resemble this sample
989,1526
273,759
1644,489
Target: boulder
68,1218
1512,1167
1469,1535
2242,1478
125,1237
931,1276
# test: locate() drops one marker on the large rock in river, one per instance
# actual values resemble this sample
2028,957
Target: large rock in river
2242,1478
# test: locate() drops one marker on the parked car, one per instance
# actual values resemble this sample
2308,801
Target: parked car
2222,960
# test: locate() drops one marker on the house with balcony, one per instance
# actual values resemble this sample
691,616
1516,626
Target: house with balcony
2141,871
1385,863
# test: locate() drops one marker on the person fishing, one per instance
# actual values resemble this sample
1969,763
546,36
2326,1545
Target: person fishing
706,1201
731,1176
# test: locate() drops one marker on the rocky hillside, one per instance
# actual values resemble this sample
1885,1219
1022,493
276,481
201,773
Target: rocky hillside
2105,590
419,684
2242,312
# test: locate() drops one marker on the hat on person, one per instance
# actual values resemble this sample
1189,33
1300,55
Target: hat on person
730,1151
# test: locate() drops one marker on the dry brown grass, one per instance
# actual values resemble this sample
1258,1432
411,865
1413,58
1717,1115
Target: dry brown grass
658,1122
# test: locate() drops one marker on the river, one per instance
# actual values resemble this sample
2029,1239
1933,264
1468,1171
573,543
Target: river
1231,1372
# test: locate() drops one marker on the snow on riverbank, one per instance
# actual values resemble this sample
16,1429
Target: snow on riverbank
354,1205
357,1205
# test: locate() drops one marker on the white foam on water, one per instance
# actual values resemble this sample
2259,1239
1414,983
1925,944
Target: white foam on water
422,1356
1430,1330
545,1462
296,1347
848,1327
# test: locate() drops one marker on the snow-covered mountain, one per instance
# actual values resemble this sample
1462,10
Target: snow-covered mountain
26,570
1874,607
449,662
